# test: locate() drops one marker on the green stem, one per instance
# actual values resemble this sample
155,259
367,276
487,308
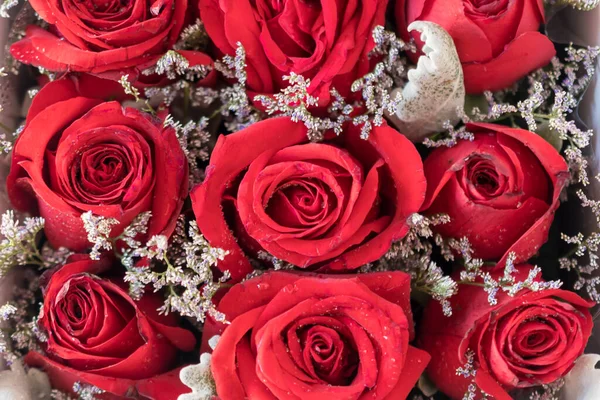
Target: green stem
470,283
218,111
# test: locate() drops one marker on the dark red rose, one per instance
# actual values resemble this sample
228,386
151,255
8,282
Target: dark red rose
500,190
497,41
336,205
528,340
305,336
79,152
327,41
97,36
97,335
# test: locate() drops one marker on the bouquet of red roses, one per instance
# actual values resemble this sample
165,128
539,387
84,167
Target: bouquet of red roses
295,200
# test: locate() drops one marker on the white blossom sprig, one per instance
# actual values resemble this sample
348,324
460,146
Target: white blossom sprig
413,255
20,316
583,257
581,5
6,6
475,274
19,246
187,277
193,37
98,230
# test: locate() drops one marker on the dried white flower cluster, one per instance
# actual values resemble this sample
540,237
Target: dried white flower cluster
193,37
128,88
82,391
549,391
583,258
98,232
194,139
582,5
469,371
297,102
187,276
553,94
7,5
22,333
413,255
475,274
19,246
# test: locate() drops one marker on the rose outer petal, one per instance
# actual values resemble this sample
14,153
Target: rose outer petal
160,387
247,144
526,53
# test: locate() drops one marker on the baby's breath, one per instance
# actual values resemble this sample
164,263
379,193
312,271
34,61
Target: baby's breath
128,88
582,5
22,332
187,277
7,5
583,258
98,232
19,246
193,37
413,254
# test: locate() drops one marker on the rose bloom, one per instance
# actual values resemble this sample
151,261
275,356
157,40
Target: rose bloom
528,340
500,190
98,36
336,205
327,41
97,335
79,152
306,336
497,41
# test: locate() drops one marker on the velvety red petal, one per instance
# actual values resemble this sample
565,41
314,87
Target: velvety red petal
526,53
415,363
276,133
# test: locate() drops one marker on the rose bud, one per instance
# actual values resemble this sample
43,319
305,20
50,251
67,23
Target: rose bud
500,190
98,336
326,41
497,41
528,340
79,152
306,336
336,205
100,36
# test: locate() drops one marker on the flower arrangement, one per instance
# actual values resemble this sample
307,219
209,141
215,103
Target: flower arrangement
299,199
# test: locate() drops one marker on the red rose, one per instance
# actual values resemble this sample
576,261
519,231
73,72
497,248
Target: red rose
80,153
97,36
337,205
528,340
327,41
497,40
500,190
98,335
305,336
